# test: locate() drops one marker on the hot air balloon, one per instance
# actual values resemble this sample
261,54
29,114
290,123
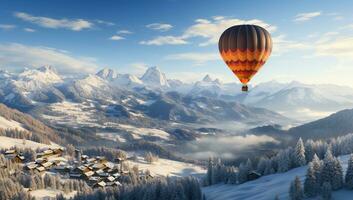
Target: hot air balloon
245,49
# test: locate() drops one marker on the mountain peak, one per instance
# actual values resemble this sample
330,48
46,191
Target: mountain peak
155,78
47,68
207,78
107,73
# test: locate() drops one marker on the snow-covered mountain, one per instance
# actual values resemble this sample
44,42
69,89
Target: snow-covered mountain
154,78
108,74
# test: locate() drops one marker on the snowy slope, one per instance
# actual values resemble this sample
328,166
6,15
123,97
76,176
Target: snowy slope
267,187
10,124
7,143
165,167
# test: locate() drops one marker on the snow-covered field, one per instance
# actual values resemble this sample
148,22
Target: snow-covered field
45,194
72,113
138,132
7,143
267,187
10,124
165,167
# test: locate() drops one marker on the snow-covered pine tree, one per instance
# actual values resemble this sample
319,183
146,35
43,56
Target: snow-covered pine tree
209,171
328,168
311,186
349,173
326,191
283,161
295,190
309,150
317,165
243,173
261,165
299,154
337,180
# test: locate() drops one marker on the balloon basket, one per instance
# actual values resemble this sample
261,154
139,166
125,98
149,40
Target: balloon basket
244,88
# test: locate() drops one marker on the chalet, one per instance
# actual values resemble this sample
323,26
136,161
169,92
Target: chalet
110,179
93,180
84,157
80,169
11,151
109,165
116,175
253,175
98,166
58,151
47,165
101,174
18,159
40,169
88,175
30,166
101,184
101,159
90,160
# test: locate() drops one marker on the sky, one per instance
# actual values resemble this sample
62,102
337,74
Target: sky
312,40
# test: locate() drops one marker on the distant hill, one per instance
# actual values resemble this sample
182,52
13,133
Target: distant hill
334,125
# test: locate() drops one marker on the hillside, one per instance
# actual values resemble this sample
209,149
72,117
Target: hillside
337,124
267,187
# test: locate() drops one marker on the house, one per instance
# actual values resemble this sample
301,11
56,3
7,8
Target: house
30,166
11,151
100,184
110,179
80,169
58,151
88,174
40,169
93,180
18,159
98,166
253,175
84,157
46,165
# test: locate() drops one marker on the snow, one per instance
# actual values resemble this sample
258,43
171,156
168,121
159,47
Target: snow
107,74
112,136
139,132
72,113
10,124
7,143
153,77
165,167
267,187
34,79
45,194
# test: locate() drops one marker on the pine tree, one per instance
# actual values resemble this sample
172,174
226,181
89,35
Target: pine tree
311,185
349,173
309,150
295,190
337,182
326,191
317,165
328,168
209,171
299,154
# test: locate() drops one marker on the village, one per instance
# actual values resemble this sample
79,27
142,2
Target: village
97,172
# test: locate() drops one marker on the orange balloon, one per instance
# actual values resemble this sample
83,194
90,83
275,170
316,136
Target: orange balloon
245,49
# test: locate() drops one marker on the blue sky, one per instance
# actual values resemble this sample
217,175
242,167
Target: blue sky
313,40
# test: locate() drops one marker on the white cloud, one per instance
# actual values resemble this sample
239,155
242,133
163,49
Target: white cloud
117,37
7,27
73,24
301,17
338,47
124,32
196,58
163,40
16,56
138,68
159,26
29,30
211,30
107,23
282,45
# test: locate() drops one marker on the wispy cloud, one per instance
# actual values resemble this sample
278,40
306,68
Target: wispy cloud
15,56
7,27
70,24
159,26
163,40
301,17
116,37
124,32
208,29
107,23
29,30
196,58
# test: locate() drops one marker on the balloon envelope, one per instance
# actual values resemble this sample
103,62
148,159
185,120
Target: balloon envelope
245,49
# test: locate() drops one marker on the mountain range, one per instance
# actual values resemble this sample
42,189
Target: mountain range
155,96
